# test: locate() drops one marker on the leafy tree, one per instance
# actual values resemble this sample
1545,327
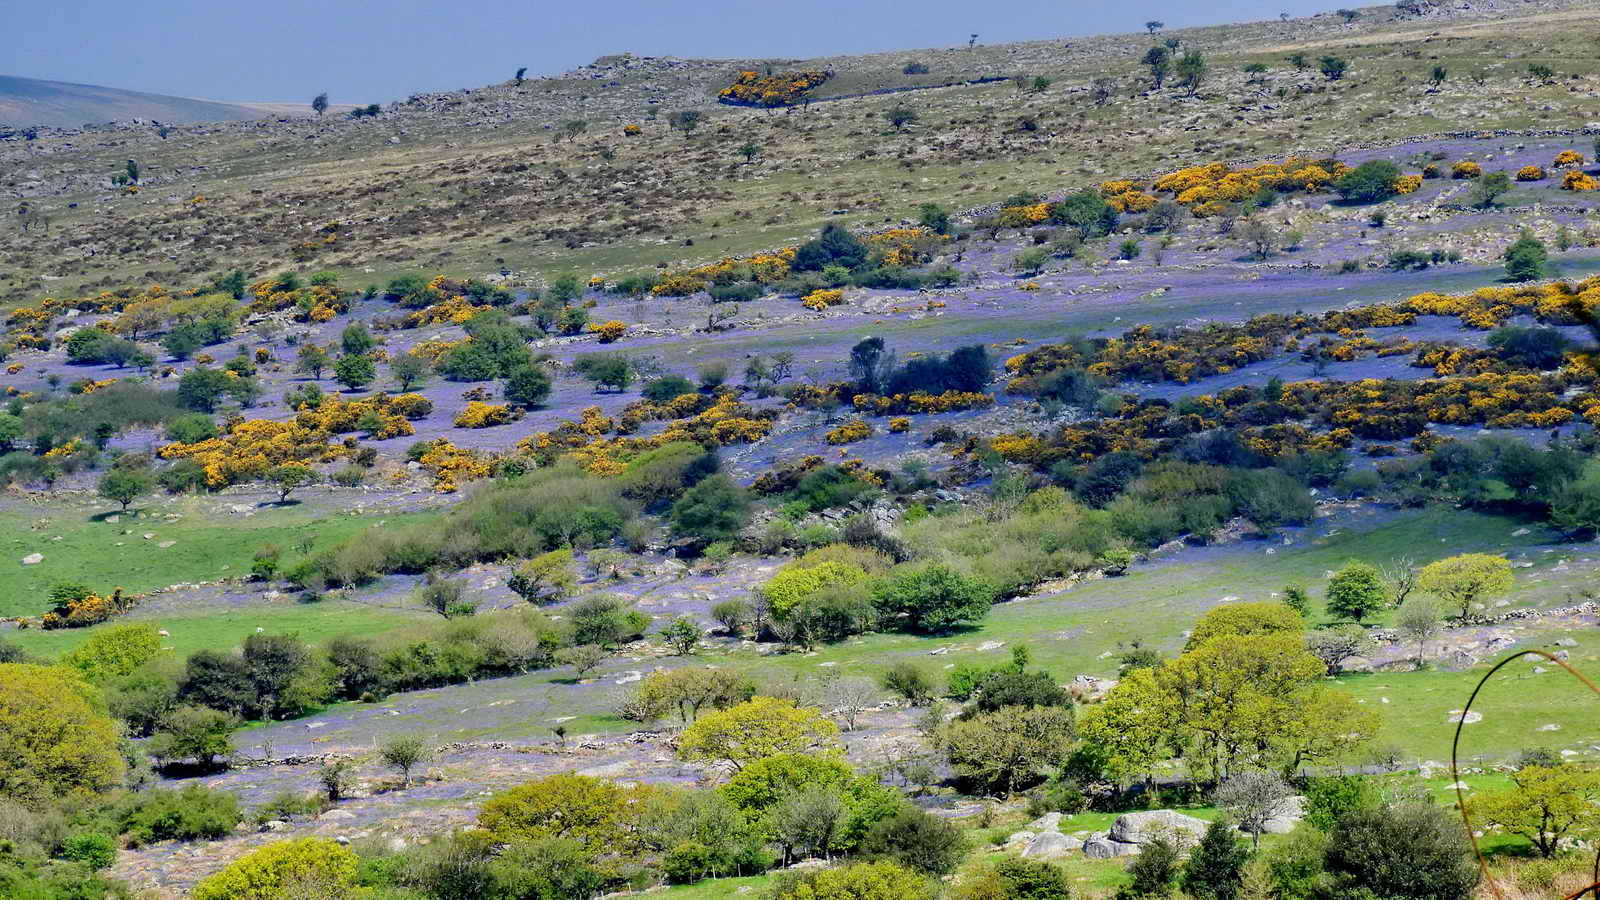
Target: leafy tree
312,360
445,596
566,806
1159,59
611,370
1525,258
667,388
114,651
200,388
545,578
1576,505
918,840
934,217
403,752
527,386
1463,580
749,150
605,621
1419,619
280,866
319,103
1333,67
194,732
356,340
1008,749
125,484
1154,870
685,120
932,598
1264,617
55,740
1547,804
1191,69
289,476
1357,591
689,690
1370,182
909,680
1487,189
1087,213
1335,645
355,372
713,510
758,728
1215,868
834,246
682,634
410,370
1410,851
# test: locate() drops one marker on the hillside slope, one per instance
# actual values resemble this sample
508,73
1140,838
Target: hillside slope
31,102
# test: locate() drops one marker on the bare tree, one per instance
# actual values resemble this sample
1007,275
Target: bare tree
1401,575
1252,798
850,696
1101,89
1335,645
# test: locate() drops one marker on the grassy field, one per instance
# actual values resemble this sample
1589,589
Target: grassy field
209,543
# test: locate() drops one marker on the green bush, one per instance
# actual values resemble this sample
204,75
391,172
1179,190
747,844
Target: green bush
262,873
92,848
931,597
190,814
1370,182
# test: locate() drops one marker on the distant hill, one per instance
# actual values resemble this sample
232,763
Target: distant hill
26,102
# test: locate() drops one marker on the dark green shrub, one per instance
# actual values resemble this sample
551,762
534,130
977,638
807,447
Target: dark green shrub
190,814
1371,182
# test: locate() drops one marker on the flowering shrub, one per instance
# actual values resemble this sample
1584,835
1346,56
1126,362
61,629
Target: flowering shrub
1578,181
1023,216
1568,158
823,298
1207,189
784,89
250,448
1029,286
485,415
1407,184
451,465
632,130
709,422
608,332
1132,202
850,432
905,246
899,424
1466,169
1531,173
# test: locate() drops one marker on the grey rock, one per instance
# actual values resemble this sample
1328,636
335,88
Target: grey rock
1139,827
1105,848
1046,822
1051,845
33,559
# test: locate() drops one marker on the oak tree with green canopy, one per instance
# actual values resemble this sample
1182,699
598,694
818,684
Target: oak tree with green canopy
575,807
1547,805
55,739
114,651
755,729
1463,580
1265,617
1357,591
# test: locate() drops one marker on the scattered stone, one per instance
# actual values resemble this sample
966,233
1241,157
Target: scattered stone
33,559
1472,717
1046,822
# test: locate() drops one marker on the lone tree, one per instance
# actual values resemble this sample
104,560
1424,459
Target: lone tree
355,372
685,120
1525,258
900,115
1154,26
312,360
1486,190
125,484
749,150
320,103
403,752
1333,67
1463,580
520,73
1438,75
289,476
1357,591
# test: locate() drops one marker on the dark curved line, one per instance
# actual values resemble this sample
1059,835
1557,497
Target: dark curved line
1455,774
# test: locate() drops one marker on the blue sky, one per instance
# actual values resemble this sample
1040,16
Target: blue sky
382,50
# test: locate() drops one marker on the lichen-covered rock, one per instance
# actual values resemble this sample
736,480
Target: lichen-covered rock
1051,845
1140,827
